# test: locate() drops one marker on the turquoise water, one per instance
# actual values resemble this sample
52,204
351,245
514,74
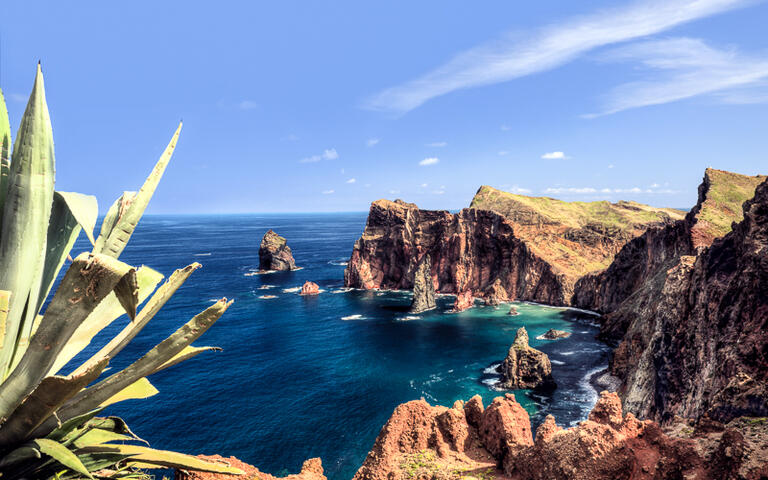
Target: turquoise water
303,377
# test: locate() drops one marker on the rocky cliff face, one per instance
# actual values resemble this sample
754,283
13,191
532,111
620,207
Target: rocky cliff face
504,247
274,253
473,250
702,341
467,440
525,367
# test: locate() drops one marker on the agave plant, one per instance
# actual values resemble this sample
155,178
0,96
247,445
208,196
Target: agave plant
49,423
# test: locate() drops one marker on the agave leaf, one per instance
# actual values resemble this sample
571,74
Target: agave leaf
5,149
43,402
5,299
103,315
164,458
96,395
139,389
162,295
21,454
111,219
61,454
97,436
70,213
66,428
186,354
101,460
88,280
26,212
119,235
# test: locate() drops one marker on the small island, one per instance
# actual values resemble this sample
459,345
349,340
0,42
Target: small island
526,367
275,254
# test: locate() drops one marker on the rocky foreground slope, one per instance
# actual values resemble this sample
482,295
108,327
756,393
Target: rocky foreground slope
506,247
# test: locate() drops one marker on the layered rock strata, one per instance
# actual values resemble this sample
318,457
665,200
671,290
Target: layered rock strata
525,367
275,254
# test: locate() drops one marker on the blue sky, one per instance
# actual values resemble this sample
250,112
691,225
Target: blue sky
327,106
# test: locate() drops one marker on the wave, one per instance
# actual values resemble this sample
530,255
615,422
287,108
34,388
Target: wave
409,317
207,254
292,290
267,297
342,290
354,317
266,287
338,263
556,362
567,353
259,272
493,384
492,369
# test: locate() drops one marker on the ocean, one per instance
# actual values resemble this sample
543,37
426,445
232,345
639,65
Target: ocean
303,377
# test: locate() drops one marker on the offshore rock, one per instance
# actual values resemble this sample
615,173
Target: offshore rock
311,470
422,441
553,334
464,301
309,288
275,254
525,367
423,287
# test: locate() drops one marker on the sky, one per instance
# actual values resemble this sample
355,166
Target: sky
327,106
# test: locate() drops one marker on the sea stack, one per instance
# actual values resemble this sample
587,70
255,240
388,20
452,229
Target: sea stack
309,288
423,288
275,254
464,300
553,334
526,367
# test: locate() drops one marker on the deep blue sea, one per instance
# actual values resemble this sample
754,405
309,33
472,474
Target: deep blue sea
303,377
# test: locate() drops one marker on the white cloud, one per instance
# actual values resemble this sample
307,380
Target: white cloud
429,161
367,185
424,185
503,153
437,144
328,154
394,192
689,68
505,128
510,57
438,192
554,156
371,142
519,190
327,192
606,190
351,180
610,166
247,105
559,190
290,138
18,97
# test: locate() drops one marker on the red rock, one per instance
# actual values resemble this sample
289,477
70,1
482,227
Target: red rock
464,301
473,410
274,253
311,470
309,288
505,427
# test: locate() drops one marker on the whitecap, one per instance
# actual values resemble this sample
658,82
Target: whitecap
492,368
342,290
292,290
259,272
208,254
493,384
267,297
266,287
556,362
353,317
409,317
339,263
567,353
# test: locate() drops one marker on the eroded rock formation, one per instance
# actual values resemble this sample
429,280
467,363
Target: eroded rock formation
525,367
275,254
423,287
309,288
422,441
464,301
311,470
553,334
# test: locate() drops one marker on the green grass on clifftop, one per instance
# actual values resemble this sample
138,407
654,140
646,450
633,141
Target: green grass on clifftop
723,202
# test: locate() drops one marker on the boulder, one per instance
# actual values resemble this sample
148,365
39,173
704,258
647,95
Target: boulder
464,300
309,288
553,334
275,254
525,367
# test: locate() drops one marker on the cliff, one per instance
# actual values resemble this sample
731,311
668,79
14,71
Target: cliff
469,441
505,247
696,341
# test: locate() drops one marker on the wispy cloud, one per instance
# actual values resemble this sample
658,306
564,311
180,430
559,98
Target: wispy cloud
372,142
549,47
554,156
247,105
351,180
290,138
505,128
502,153
394,192
17,97
578,190
328,154
437,144
519,190
429,161
689,68
327,192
